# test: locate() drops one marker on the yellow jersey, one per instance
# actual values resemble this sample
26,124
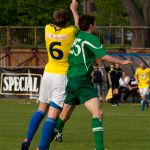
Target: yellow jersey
143,76
58,44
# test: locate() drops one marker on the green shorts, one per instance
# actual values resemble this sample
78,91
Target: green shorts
79,90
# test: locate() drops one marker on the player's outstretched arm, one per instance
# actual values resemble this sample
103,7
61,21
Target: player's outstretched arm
136,76
111,59
73,8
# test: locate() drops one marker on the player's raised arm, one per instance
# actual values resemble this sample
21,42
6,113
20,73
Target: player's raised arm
115,60
73,8
136,76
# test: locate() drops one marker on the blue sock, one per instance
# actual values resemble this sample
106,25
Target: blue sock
47,133
34,124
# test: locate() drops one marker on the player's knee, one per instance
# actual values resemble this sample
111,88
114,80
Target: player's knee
64,116
43,107
98,113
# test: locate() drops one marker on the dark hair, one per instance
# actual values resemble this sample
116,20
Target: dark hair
142,61
61,17
85,21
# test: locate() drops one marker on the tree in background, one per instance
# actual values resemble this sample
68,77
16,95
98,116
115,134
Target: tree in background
110,13
30,12
126,12
139,15
8,12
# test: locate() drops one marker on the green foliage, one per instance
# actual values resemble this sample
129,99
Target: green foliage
138,3
110,12
39,12
8,12
29,12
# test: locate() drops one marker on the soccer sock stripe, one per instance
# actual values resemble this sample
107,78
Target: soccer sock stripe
34,124
47,133
59,127
97,129
42,112
98,133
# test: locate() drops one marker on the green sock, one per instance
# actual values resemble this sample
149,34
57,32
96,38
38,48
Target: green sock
98,133
59,125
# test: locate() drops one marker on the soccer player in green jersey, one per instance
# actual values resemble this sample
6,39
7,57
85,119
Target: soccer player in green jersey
80,90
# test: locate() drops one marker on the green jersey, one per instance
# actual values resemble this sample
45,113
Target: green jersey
85,48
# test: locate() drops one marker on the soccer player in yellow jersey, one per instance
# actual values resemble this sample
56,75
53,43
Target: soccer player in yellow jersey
142,75
59,37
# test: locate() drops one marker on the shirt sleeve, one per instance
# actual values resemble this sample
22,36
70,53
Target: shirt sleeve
75,30
137,72
149,73
127,80
120,82
95,46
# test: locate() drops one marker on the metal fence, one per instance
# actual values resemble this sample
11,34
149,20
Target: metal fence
111,37
124,37
22,37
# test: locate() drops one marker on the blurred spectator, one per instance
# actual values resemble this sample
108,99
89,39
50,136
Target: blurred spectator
114,74
107,37
124,81
129,35
133,89
142,76
127,86
97,79
117,37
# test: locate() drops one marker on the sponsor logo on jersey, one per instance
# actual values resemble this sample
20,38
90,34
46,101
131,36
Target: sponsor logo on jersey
55,36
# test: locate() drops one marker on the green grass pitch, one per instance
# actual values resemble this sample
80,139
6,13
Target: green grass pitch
125,127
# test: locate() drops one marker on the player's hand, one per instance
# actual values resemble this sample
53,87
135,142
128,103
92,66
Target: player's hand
126,62
110,84
148,82
131,88
136,81
74,5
